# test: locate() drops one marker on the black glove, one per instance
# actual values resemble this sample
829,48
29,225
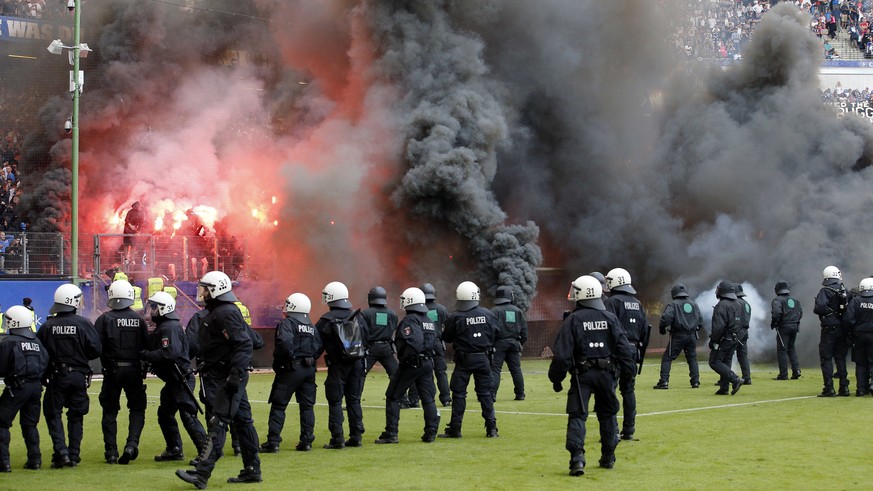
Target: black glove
231,386
557,387
662,330
712,345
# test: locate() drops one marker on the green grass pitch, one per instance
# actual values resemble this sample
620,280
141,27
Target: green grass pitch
770,435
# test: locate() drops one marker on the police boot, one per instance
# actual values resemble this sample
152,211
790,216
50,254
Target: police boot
577,468
795,375
111,457
269,447
335,444
491,429
249,474
827,392
661,385
130,453
736,385
607,461
60,461
844,391
387,437
451,432
429,436
193,477
303,446
354,441
169,454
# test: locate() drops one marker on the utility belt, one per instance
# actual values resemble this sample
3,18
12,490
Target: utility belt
126,363
381,342
16,382
417,361
830,329
594,363
63,369
463,355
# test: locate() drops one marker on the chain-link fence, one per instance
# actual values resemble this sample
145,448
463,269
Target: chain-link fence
32,253
182,258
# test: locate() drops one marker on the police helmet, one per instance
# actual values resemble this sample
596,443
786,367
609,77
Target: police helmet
782,288
739,287
377,296
218,285
586,291
68,298
412,299
336,294
504,295
429,291
831,272
726,289
619,280
18,317
163,305
121,295
866,287
298,306
467,295
678,291
601,279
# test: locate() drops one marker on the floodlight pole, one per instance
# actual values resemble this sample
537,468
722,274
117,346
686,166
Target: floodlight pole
77,89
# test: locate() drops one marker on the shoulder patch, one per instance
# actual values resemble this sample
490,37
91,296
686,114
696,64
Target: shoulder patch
407,331
165,342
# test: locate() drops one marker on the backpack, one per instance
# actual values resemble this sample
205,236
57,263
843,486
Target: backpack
350,334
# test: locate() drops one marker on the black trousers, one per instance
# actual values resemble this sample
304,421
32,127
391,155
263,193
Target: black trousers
344,380
601,384
720,361
627,387
832,352
422,377
129,380
681,342
24,398
863,351
66,390
384,354
228,407
299,381
175,399
786,351
509,351
477,366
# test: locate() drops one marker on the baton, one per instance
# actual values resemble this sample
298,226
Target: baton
184,382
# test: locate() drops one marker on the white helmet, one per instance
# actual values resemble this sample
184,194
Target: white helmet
163,305
299,303
618,279
298,306
866,287
68,298
336,294
832,272
218,285
467,295
412,299
18,317
121,295
586,290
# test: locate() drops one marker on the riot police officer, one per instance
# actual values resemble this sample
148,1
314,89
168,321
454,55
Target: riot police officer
345,377
438,313
727,320
589,345
23,362
682,320
71,342
743,336
833,346
472,330
785,315
123,334
510,339
226,354
298,345
632,316
168,356
381,322
415,339
858,322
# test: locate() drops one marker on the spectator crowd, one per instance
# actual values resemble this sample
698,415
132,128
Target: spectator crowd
36,9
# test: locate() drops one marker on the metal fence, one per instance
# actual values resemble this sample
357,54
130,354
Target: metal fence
32,253
180,258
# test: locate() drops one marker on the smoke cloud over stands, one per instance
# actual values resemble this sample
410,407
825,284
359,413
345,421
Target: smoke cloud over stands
441,141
